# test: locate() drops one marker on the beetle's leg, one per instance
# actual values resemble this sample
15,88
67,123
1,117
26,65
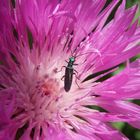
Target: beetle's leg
61,68
76,72
76,79
66,61
76,64
77,83
63,77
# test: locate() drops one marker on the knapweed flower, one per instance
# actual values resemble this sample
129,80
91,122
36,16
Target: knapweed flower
37,38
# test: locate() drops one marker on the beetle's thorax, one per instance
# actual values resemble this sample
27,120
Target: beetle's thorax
71,61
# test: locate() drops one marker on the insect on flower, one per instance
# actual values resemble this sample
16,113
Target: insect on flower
69,71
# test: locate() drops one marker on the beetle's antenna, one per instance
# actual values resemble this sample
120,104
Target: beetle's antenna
83,54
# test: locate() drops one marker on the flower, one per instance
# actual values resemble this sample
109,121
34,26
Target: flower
36,38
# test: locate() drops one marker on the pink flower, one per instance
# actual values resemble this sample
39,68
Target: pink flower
36,37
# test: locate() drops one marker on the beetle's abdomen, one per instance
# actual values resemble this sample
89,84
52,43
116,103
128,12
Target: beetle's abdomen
68,79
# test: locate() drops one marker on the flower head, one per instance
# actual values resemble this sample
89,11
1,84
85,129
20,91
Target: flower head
38,38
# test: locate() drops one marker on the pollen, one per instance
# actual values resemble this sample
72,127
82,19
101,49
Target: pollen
50,86
47,96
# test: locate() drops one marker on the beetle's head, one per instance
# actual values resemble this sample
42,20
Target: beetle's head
72,59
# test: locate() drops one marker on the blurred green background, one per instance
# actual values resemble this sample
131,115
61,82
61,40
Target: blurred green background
126,129
131,2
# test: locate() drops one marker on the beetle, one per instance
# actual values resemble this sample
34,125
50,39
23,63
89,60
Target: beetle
69,72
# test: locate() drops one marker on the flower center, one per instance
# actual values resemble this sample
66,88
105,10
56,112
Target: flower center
49,87
46,98
40,102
